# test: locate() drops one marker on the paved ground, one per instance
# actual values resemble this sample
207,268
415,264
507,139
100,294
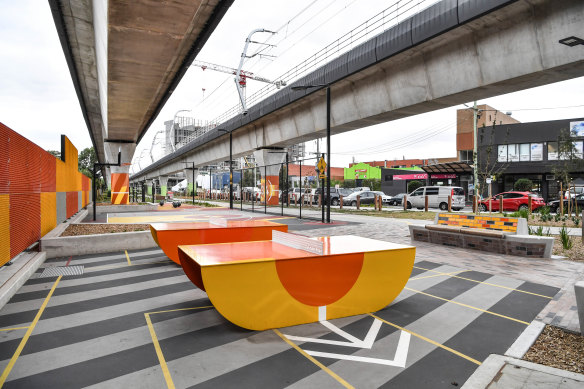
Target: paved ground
135,320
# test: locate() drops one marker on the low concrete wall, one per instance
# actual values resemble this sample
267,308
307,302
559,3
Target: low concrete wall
14,276
579,290
96,244
101,209
520,245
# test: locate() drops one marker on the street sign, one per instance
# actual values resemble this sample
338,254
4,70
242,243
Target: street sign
322,175
321,165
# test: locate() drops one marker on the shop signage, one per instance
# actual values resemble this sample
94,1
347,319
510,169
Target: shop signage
443,175
361,170
411,177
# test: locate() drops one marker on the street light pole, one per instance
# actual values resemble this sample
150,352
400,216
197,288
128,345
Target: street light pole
230,166
328,143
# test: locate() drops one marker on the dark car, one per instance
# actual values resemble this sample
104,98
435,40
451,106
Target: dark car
512,201
578,201
335,194
397,199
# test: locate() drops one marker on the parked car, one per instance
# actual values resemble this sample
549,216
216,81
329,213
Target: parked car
578,201
367,197
574,191
397,199
512,201
361,189
437,197
384,198
335,194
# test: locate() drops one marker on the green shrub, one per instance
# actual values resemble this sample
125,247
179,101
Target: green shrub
523,185
413,185
538,231
565,238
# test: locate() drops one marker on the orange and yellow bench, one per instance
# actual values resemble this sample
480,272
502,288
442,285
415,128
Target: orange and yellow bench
292,280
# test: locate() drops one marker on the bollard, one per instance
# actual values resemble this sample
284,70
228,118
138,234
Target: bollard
579,291
405,202
449,203
561,204
426,203
501,204
379,203
529,205
358,201
341,202
375,202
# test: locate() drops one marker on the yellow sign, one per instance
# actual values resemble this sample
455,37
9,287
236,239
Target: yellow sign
322,175
321,165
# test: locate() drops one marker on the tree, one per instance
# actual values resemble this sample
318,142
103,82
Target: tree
489,166
56,153
523,185
568,161
413,185
87,158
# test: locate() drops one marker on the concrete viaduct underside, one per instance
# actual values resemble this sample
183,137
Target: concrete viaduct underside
514,46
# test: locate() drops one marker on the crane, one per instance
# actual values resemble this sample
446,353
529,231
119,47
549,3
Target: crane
241,75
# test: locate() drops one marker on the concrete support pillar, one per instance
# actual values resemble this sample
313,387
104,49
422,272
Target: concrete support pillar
120,177
149,187
163,182
273,158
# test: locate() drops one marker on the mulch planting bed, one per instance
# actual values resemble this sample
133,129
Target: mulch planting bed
557,348
93,229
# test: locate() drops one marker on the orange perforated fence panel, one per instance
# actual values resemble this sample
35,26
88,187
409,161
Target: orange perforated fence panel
473,221
37,191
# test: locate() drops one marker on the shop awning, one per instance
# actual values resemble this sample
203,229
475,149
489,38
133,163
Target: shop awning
448,167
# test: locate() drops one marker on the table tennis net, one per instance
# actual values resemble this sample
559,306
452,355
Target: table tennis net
298,242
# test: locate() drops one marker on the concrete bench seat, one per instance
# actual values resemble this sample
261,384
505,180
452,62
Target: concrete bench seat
503,235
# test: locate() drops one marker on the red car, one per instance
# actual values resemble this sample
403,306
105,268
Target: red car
512,201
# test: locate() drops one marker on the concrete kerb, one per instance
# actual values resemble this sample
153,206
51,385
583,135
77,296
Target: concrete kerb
527,338
14,276
101,209
97,244
492,371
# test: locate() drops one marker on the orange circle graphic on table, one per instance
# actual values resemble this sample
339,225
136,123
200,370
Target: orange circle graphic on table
320,281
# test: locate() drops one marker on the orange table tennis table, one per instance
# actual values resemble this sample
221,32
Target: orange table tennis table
170,235
267,284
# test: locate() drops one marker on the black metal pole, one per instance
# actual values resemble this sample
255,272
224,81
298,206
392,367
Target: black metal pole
94,195
194,184
241,189
230,170
287,188
282,190
253,189
210,183
301,198
265,189
144,191
328,154
322,206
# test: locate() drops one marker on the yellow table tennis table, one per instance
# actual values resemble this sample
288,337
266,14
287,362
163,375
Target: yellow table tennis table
292,279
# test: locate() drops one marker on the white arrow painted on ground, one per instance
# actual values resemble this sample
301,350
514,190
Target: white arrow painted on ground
399,360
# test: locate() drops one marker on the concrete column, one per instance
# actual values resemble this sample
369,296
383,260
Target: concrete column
163,182
120,177
149,187
265,157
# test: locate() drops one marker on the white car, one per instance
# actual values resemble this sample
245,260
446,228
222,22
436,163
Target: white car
385,199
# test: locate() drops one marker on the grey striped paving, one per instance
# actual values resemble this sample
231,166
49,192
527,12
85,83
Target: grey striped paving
201,348
458,317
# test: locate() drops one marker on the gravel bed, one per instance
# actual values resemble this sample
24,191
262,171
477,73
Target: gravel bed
93,229
557,348
576,253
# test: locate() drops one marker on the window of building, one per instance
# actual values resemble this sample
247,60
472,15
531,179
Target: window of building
524,152
502,153
578,149
466,155
552,151
537,151
513,153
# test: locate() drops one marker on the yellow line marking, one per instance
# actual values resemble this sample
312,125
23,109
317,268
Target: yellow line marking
280,218
468,306
429,340
128,258
313,360
161,360
488,283
436,275
12,329
27,334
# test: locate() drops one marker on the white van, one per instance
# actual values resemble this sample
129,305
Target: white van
437,197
